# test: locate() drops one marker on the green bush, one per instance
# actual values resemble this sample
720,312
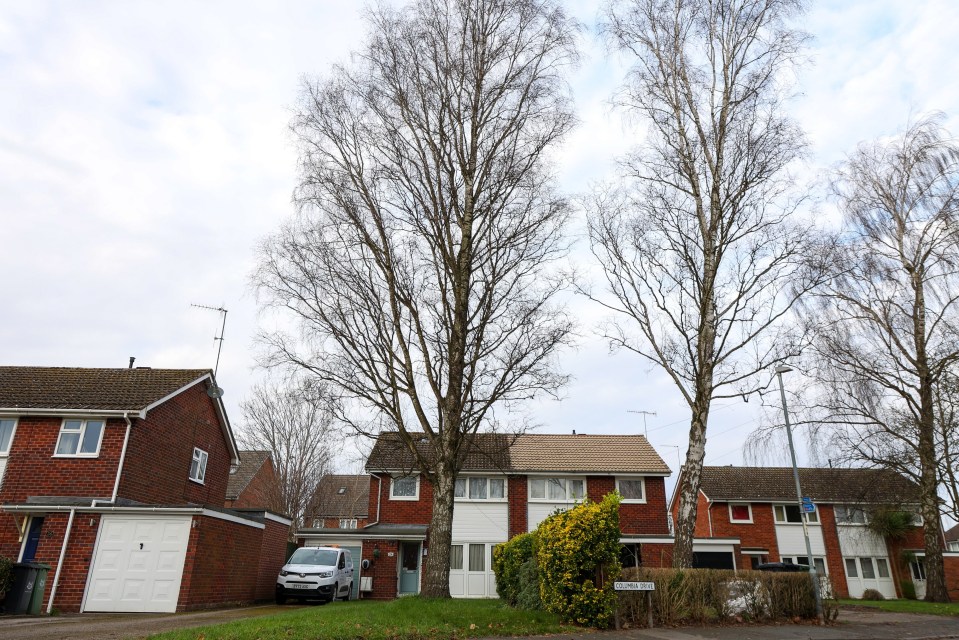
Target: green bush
508,562
908,589
6,574
872,594
528,596
578,558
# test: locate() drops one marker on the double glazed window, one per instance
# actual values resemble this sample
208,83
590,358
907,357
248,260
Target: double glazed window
405,488
740,512
557,489
820,562
347,523
198,465
7,426
480,488
80,438
850,515
790,514
475,558
632,489
868,568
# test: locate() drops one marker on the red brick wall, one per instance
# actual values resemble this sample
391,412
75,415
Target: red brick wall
222,564
761,534
334,523
517,494
382,569
834,562
260,492
951,564
657,556
405,511
272,558
157,466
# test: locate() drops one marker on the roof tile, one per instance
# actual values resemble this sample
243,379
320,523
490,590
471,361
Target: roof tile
826,485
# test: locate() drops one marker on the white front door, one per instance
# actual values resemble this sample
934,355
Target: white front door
138,563
918,570
869,573
471,570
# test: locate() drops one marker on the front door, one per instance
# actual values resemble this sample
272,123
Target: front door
33,540
918,570
409,568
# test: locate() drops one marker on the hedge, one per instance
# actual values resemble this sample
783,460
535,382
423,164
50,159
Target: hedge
509,560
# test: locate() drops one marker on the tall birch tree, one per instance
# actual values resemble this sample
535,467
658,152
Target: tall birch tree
421,265
701,256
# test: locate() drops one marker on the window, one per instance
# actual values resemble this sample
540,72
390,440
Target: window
850,515
80,438
347,523
557,489
405,488
477,557
198,466
820,562
790,514
7,426
740,513
851,568
480,488
317,523
456,557
632,489
630,555
757,559
882,567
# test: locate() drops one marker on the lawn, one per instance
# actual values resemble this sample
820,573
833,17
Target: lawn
406,618
908,606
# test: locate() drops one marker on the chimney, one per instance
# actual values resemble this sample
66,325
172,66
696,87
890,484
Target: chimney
132,358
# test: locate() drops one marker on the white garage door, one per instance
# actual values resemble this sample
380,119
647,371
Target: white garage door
138,563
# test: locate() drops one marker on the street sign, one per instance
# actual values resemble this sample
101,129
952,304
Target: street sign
807,500
634,586
808,507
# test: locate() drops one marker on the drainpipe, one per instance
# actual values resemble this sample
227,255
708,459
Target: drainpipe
123,455
63,553
709,516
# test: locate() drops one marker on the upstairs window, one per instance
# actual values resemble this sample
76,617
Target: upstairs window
80,438
740,513
347,523
198,466
632,489
7,427
480,488
405,488
850,515
790,514
557,489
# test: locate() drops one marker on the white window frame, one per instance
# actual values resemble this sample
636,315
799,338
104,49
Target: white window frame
201,461
321,522
13,434
83,430
347,523
792,560
785,521
467,498
566,480
416,488
733,520
642,481
847,508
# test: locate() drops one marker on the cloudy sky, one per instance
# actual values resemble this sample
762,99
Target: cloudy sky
144,152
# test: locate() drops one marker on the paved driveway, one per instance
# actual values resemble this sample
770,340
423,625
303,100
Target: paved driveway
115,626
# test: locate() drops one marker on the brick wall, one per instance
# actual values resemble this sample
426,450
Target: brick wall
404,511
260,492
157,467
657,556
222,564
834,562
334,523
951,563
517,490
382,569
272,558
761,534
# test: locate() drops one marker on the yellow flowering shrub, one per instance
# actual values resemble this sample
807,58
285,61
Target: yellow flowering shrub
578,557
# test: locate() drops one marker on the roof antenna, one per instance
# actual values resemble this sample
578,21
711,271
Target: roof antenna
216,391
644,414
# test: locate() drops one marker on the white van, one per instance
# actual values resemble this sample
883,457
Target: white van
316,573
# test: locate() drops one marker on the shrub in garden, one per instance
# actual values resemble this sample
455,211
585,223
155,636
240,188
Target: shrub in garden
578,557
528,596
6,574
908,589
872,594
509,559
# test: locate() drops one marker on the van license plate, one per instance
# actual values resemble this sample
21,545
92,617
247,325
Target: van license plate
300,586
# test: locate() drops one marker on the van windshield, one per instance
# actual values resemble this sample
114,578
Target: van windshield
324,557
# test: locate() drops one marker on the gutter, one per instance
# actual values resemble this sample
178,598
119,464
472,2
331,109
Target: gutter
709,515
100,413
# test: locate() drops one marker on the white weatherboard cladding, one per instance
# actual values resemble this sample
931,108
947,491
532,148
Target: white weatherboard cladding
790,540
481,521
538,511
138,564
860,541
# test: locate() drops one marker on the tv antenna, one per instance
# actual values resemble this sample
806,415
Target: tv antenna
216,391
644,414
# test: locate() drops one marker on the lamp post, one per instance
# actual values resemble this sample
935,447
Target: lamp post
780,370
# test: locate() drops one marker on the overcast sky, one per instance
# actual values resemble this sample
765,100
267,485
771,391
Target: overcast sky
144,152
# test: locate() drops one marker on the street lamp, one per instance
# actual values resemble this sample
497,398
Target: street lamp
780,370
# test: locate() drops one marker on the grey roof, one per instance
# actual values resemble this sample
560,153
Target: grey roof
76,388
341,496
250,464
827,485
952,534
529,453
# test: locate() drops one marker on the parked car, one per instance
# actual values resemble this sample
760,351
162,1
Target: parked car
316,573
782,566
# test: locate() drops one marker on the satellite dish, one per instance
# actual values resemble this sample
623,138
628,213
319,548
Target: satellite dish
215,392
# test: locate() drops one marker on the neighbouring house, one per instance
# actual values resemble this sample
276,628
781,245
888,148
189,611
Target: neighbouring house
340,502
952,538
507,486
116,479
757,507
253,482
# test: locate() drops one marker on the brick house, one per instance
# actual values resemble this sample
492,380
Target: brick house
116,478
507,486
253,482
340,502
756,508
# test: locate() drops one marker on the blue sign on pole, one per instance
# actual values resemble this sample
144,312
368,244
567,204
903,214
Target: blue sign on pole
807,500
808,507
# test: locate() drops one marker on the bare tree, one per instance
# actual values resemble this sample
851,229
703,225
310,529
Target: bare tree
887,322
698,246
294,423
421,264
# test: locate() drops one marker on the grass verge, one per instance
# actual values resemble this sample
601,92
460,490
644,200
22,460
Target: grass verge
405,618
908,606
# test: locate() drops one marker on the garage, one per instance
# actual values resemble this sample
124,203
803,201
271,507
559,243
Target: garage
138,563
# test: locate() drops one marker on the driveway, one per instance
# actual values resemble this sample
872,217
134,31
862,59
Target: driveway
96,626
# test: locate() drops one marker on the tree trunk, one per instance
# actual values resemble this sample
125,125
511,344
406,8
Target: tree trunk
436,581
689,488
936,590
